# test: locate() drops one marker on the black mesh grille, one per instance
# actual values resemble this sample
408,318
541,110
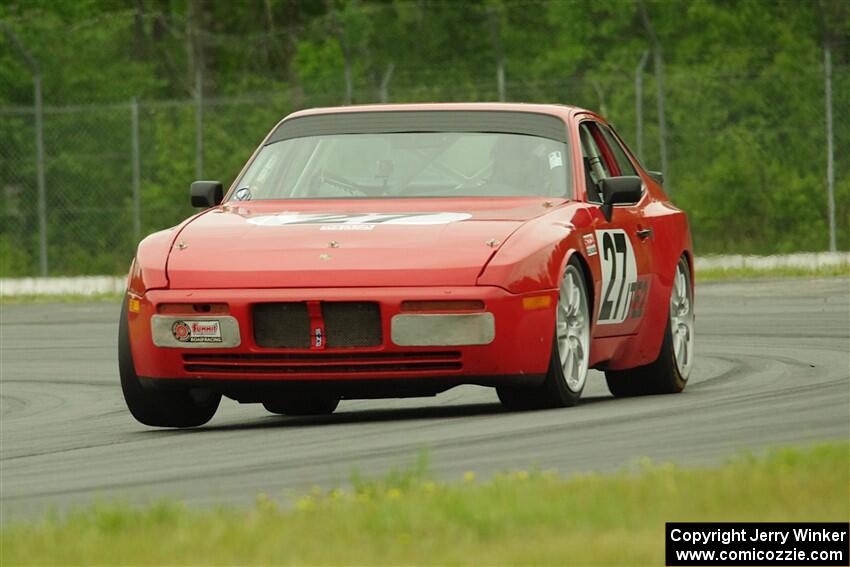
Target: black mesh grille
352,324
282,325
348,324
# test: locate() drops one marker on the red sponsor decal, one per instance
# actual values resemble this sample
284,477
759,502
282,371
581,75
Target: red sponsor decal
589,244
181,331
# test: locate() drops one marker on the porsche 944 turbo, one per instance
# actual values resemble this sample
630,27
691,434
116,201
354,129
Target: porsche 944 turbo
401,250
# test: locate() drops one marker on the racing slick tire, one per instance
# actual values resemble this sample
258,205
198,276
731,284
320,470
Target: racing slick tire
302,405
668,374
160,408
568,362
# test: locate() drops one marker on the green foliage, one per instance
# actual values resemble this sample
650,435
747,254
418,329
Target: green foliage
13,260
725,274
515,518
743,86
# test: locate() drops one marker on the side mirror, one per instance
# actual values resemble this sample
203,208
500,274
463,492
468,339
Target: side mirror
625,189
656,176
206,194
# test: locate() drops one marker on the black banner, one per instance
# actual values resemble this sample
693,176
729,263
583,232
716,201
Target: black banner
754,543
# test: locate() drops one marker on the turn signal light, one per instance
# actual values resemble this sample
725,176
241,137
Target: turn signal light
191,308
134,305
536,302
443,306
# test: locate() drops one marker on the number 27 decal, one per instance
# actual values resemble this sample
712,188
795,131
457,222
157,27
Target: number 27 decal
619,276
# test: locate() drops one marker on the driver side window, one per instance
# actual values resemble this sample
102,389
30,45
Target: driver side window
625,166
603,157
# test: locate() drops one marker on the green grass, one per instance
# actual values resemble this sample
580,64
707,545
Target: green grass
513,518
61,298
720,274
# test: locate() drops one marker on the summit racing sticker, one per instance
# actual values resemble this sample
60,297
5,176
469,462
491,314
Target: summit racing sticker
589,244
197,331
360,220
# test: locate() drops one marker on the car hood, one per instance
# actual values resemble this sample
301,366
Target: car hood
368,243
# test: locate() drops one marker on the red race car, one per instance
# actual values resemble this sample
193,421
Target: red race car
401,250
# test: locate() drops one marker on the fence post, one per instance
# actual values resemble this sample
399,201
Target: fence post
495,19
385,83
199,123
662,120
658,64
134,137
42,189
639,103
830,167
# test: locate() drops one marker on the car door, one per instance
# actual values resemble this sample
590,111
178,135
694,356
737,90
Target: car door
621,245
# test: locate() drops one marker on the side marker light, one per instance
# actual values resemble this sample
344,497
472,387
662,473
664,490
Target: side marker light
536,302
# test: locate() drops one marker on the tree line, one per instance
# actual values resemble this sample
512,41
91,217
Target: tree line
743,85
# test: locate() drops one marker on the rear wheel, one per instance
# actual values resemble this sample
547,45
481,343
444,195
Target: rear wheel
668,374
167,408
567,373
302,405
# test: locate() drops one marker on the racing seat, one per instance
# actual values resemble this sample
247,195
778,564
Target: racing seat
593,193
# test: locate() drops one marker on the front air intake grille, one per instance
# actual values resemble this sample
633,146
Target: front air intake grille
348,324
282,325
371,364
351,324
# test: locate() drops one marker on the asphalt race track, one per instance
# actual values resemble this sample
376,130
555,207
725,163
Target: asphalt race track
773,368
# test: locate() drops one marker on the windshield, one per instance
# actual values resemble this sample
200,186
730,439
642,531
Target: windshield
421,164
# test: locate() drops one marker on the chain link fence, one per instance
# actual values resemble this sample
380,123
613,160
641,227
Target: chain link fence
752,176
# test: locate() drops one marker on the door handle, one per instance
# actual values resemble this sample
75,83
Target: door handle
642,233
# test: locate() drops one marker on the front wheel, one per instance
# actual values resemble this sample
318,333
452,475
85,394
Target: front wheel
167,408
668,374
568,364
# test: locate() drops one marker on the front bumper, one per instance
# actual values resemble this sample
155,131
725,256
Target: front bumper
520,344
